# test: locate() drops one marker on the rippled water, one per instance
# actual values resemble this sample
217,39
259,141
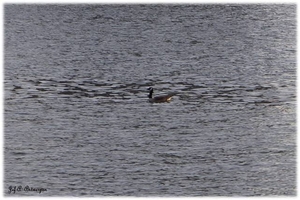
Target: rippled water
77,118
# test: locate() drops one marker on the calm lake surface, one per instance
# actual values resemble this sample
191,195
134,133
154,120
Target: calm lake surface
78,121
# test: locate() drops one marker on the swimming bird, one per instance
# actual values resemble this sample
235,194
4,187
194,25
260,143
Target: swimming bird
159,99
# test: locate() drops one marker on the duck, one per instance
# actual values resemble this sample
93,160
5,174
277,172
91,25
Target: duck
160,98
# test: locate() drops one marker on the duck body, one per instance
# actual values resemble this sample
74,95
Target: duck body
160,98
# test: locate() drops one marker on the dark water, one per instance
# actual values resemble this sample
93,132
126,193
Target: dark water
77,118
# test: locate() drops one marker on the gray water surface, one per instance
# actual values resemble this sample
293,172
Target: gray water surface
78,121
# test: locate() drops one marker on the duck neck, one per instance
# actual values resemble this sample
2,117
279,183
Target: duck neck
150,94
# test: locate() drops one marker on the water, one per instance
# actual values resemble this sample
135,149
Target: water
77,119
